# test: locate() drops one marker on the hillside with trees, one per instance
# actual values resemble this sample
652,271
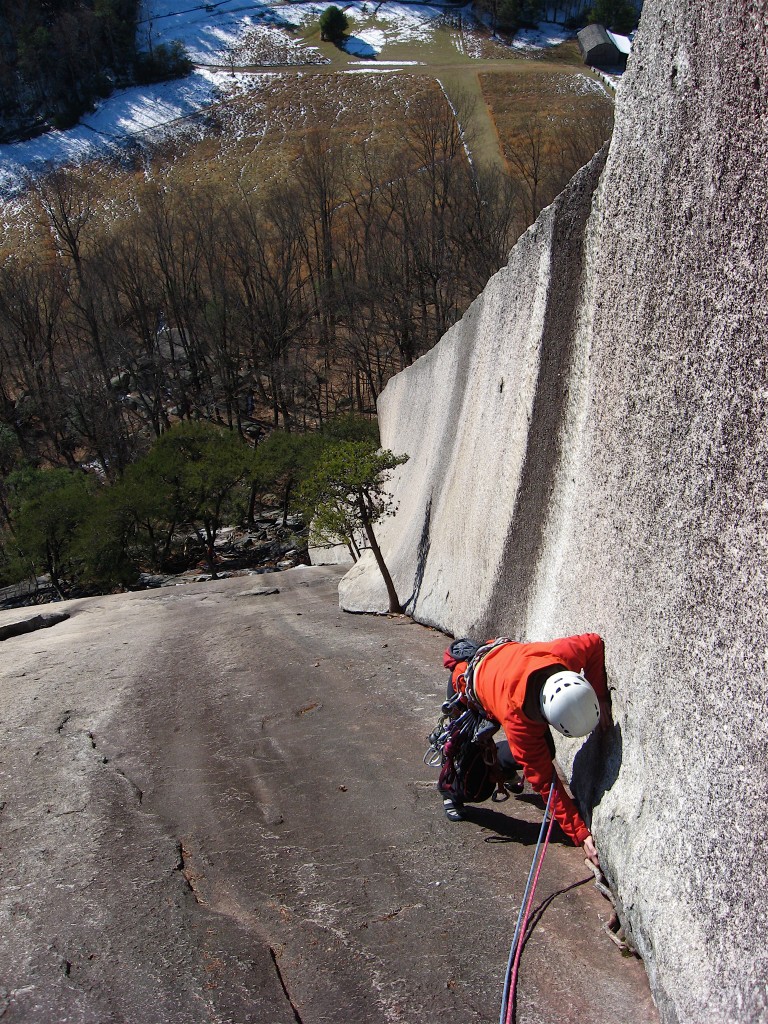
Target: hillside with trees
57,57
277,306
137,301
257,276
510,15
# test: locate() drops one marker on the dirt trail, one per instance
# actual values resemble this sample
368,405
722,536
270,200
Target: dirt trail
213,808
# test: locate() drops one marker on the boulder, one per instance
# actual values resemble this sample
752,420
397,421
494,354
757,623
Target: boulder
329,554
478,453
32,623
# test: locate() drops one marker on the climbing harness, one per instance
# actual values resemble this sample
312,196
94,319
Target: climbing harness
510,978
469,672
464,723
456,720
459,719
463,748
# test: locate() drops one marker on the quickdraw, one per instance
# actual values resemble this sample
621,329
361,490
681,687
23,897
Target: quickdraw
452,727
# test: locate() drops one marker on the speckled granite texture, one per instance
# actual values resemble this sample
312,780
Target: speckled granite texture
588,452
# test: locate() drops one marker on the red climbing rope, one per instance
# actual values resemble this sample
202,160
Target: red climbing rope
510,979
520,940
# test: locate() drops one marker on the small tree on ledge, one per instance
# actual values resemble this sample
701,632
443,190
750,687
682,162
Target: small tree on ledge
345,495
333,24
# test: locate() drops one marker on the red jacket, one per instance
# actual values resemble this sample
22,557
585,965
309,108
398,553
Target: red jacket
500,683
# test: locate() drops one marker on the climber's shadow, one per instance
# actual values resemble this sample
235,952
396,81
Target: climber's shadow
596,768
507,828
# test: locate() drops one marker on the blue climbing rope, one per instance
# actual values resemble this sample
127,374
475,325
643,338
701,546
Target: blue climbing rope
508,995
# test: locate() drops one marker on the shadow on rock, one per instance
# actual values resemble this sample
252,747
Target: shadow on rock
531,798
509,829
421,562
595,769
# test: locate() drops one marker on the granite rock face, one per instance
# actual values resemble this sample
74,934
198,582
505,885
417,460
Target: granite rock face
589,452
479,417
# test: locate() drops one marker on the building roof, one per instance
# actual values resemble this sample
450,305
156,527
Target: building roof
592,36
622,43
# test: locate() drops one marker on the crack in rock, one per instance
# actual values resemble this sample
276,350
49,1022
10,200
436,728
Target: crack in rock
188,873
30,625
63,721
137,791
281,979
394,913
72,810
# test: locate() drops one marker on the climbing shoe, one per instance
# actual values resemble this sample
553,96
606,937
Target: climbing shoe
454,811
514,785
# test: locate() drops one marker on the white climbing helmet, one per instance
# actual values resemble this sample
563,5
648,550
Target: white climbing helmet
569,703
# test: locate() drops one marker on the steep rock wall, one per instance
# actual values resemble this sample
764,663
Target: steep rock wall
480,417
588,451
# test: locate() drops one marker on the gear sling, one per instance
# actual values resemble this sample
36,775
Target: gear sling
462,743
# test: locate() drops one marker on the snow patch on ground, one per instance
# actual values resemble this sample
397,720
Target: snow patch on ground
368,71
395,63
470,46
544,37
127,114
131,115
397,22
582,85
207,31
265,45
406,23
367,44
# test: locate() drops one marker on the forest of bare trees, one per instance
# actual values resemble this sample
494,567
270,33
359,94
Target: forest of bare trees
277,306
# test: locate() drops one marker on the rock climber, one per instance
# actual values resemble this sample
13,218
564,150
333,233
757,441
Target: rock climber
528,688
